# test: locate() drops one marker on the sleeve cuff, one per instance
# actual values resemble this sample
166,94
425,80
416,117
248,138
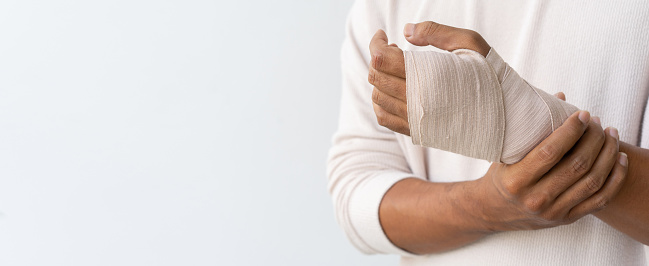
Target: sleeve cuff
364,214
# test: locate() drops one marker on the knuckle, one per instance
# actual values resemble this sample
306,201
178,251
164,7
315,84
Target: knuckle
428,27
601,203
371,77
580,165
535,202
593,184
378,59
381,119
548,154
511,188
376,96
469,40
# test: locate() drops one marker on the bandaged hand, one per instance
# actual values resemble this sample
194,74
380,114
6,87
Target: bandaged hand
468,101
388,74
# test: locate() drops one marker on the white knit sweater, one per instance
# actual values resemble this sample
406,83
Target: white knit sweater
597,52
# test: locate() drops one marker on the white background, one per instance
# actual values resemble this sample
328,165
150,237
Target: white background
141,132
168,132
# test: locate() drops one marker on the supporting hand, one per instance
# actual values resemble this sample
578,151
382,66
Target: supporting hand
566,177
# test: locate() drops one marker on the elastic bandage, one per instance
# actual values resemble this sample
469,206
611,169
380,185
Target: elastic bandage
479,107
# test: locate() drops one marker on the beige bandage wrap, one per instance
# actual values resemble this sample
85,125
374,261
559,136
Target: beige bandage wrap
479,107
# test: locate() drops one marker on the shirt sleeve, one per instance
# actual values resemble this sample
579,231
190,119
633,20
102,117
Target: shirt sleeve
365,160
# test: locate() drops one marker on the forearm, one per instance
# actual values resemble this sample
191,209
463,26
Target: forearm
424,217
629,212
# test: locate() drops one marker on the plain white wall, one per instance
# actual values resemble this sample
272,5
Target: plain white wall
141,132
169,132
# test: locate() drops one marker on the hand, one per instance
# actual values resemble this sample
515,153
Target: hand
387,69
576,171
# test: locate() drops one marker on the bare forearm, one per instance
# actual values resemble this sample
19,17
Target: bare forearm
629,211
423,217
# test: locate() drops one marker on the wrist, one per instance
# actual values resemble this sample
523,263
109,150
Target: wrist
473,207
478,207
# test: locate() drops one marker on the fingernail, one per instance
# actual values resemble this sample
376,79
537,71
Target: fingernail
596,120
409,30
624,160
613,132
584,117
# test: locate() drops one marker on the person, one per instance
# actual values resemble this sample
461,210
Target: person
577,198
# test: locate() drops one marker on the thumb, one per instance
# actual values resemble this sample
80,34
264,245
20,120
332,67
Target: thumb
445,37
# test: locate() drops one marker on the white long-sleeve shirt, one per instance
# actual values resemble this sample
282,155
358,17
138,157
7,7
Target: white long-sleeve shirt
596,52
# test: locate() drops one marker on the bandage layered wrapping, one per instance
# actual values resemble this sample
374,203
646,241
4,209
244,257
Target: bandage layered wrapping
479,107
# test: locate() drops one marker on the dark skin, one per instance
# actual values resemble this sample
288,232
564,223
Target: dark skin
579,169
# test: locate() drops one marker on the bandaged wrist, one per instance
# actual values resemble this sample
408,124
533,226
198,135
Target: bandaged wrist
479,107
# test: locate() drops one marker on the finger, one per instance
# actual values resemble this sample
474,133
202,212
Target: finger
548,153
597,120
595,178
578,162
606,194
391,85
391,121
561,96
445,37
385,58
390,104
